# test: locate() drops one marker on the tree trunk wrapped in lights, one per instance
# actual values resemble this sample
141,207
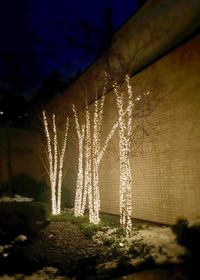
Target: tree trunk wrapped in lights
97,124
84,190
98,152
55,162
80,177
92,155
88,192
125,133
60,169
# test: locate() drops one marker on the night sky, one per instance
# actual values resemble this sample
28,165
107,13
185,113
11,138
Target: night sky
41,36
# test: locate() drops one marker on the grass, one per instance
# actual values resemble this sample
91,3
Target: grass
83,222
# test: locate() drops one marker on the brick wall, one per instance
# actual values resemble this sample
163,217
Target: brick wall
166,169
25,153
166,163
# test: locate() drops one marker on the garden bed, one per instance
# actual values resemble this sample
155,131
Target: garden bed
73,248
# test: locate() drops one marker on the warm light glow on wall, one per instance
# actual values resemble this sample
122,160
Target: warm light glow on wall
55,162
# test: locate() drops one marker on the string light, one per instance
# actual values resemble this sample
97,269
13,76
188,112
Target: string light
80,177
55,155
125,132
55,162
50,161
98,152
97,123
88,193
60,169
109,137
93,155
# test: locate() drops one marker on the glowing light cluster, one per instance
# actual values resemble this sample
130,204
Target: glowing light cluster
125,132
87,193
91,156
97,124
80,177
55,162
60,168
84,191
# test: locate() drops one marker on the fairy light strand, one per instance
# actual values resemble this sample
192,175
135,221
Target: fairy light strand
80,176
125,132
93,154
55,162
50,163
60,169
88,193
55,156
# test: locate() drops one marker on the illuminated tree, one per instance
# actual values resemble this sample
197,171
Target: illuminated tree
98,152
91,156
125,133
88,190
55,158
80,177
84,189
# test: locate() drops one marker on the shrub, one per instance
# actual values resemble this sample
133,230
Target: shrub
63,217
3,188
181,229
90,229
24,185
83,222
188,235
27,186
22,217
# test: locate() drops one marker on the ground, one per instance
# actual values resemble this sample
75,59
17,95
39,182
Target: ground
61,245
62,249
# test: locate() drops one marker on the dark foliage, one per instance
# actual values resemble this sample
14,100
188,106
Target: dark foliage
188,236
26,186
22,218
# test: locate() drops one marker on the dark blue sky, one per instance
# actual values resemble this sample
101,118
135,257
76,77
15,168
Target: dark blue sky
40,36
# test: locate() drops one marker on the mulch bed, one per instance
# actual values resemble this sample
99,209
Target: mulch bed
60,244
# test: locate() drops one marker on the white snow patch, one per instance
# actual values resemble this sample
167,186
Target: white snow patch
153,241
16,198
20,238
47,273
3,248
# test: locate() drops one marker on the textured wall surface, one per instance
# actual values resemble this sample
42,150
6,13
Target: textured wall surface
166,171
165,161
24,151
